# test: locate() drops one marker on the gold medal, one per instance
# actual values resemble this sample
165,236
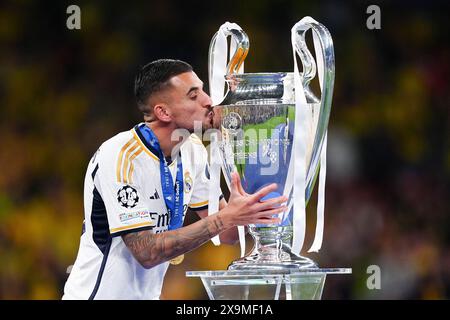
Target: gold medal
177,260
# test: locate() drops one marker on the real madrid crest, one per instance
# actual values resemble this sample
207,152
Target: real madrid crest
187,182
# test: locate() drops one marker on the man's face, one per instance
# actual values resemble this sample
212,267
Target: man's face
188,102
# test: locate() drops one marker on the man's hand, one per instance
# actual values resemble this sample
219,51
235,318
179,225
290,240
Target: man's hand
244,208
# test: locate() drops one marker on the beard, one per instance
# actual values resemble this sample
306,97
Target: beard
209,122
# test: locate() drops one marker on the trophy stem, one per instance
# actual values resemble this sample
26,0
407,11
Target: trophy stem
272,251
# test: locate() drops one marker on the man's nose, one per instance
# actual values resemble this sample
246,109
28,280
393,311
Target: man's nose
207,103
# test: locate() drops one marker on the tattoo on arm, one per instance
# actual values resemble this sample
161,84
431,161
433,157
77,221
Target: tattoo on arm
152,249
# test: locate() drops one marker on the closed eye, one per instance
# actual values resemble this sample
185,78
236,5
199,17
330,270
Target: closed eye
193,92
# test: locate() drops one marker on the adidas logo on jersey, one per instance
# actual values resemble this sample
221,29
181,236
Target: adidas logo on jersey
155,195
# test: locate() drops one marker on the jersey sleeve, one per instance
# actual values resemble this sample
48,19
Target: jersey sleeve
200,194
125,203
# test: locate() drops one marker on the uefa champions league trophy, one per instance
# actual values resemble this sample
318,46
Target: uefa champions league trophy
273,129
258,127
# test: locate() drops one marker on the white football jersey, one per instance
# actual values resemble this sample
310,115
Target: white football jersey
123,193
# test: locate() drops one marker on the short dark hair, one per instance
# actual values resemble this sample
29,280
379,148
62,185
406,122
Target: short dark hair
154,77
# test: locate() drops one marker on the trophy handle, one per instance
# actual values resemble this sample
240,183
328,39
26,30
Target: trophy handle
327,52
217,73
241,50
326,79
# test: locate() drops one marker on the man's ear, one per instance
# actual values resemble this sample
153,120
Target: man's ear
162,112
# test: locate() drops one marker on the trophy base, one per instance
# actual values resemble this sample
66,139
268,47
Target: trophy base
272,252
283,261
245,264
288,284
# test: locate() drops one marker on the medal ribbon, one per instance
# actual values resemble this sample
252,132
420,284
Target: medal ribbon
172,193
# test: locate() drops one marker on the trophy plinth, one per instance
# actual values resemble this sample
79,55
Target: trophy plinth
284,284
272,251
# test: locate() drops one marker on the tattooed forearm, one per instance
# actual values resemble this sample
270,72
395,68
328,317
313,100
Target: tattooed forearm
138,241
152,249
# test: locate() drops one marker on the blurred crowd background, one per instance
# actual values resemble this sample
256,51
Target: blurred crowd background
63,92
